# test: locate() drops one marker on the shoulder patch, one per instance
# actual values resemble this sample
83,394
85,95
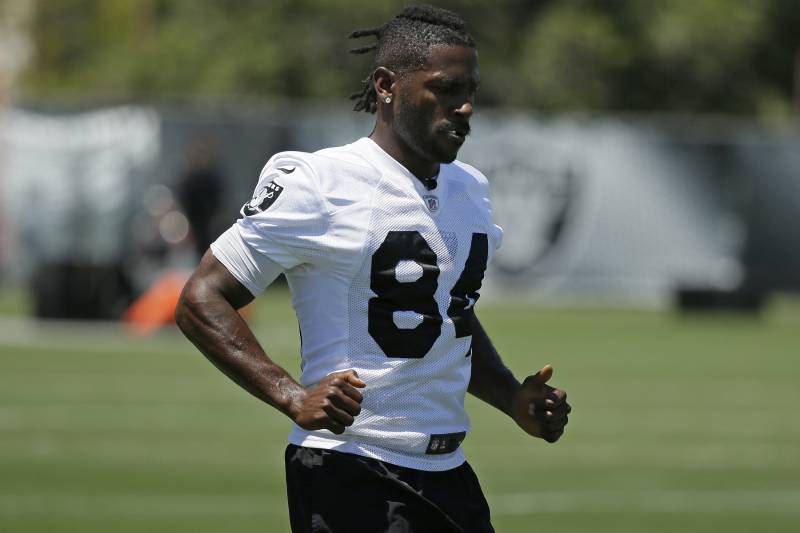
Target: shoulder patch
263,198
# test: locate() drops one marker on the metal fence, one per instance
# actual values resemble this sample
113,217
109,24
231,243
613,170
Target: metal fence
606,210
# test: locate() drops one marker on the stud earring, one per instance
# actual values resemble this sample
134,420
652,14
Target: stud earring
388,99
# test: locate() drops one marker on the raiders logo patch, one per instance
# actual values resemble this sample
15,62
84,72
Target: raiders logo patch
263,199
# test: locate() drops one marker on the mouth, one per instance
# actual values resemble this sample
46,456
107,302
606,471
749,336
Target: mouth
457,134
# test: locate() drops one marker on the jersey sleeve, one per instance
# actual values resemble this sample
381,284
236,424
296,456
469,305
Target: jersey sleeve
253,270
283,225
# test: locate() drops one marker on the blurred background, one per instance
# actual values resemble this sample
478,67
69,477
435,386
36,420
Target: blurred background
644,158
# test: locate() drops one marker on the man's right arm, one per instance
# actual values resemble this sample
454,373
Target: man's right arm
207,314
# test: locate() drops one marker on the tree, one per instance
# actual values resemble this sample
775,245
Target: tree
721,56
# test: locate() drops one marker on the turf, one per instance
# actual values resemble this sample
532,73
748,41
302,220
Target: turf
679,424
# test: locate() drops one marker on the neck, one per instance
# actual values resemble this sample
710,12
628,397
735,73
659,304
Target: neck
384,137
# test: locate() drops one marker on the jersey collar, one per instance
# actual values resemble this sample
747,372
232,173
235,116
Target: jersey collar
386,163
381,156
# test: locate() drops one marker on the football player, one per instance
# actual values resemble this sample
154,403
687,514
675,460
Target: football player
384,243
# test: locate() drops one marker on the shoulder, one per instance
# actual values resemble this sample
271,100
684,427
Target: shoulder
298,165
335,177
471,178
285,174
469,175
306,172
329,168
286,183
337,158
349,155
347,167
344,175
470,171
477,187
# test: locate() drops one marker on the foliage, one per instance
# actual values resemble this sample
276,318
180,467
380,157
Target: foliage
555,55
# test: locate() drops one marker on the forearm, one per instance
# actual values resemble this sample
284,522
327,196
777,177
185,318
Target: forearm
491,380
221,334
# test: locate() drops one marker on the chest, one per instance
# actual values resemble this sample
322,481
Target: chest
423,234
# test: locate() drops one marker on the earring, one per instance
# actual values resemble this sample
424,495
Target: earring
388,99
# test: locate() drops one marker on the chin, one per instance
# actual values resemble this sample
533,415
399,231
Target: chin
445,150
447,156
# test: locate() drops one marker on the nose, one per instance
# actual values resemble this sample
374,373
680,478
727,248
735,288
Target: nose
465,110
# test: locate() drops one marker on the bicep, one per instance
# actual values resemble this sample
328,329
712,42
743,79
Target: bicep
210,278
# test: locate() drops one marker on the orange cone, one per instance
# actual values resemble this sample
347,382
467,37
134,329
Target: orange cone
156,307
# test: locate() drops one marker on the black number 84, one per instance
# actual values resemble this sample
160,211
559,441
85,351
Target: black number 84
418,295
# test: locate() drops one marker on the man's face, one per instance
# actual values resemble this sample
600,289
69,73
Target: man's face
435,103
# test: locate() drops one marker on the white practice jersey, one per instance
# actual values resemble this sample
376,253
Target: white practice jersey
384,274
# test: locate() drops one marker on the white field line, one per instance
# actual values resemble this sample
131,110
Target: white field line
99,505
600,501
72,334
647,501
27,331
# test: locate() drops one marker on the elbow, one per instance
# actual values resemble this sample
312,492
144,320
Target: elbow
183,309
180,313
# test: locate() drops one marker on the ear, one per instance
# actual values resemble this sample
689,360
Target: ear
383,79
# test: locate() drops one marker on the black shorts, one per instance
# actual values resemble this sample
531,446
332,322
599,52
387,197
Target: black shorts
338,492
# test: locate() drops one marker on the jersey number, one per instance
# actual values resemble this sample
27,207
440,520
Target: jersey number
417,296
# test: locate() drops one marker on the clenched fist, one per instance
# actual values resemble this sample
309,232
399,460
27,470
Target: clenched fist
332,403
539,409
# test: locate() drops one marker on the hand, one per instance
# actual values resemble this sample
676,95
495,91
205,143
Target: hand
331,404
540,409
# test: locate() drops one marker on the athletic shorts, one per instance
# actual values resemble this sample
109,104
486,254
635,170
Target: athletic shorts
335,492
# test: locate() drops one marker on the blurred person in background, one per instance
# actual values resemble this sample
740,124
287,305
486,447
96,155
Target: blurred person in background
200,191
384,243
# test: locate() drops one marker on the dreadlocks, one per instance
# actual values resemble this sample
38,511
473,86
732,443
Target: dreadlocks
403,42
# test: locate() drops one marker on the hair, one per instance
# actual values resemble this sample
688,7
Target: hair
403,44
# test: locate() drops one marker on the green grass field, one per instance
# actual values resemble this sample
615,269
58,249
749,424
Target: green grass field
684,424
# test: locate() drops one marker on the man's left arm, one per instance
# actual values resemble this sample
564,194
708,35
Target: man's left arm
539,409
